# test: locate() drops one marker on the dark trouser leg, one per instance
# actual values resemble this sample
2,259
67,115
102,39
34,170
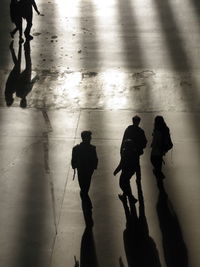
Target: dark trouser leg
28,25
124,182
84,180
18,24
157,164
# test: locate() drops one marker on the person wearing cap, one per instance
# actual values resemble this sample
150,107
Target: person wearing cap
137,134
84,159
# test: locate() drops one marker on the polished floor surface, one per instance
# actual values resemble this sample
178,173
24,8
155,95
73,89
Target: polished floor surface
93,65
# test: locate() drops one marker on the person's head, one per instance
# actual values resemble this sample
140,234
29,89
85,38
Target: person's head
136,120
86,136
159,123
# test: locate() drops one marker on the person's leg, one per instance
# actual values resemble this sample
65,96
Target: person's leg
84,183
157,164
19,25
124,183
29,24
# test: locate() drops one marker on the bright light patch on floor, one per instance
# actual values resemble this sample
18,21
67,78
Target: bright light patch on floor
67,7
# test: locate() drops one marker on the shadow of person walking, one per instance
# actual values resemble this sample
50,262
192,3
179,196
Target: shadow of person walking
88,257
175,251
87,212
13,77
139,246
20,83
25,83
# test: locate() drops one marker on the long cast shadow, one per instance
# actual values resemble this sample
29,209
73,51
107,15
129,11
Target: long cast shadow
180,60
13,77
20,83
88,257
174,247
131,41
89,57
139,246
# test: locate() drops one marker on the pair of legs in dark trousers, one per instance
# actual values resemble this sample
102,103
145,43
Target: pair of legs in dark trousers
28,18
124,182
84,179
18,24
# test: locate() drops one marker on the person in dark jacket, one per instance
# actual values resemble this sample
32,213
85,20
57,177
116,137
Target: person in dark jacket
161,143
137,134
27,13
16,18
128,165
84,159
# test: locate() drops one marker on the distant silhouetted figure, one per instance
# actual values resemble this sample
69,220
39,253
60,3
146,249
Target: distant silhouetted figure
25,81
128,166
161,143
84,159
16,18
27,14
13,77
135,133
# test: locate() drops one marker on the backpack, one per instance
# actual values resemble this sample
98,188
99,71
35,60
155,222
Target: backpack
167,142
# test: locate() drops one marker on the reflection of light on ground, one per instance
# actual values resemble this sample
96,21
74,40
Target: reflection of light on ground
70,85
113,88
67,7
113,80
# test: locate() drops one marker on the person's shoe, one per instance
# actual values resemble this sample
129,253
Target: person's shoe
29,37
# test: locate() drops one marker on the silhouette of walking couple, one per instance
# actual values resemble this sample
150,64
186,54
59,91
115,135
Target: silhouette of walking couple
84,157
19,10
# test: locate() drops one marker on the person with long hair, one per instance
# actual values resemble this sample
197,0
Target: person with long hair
160,145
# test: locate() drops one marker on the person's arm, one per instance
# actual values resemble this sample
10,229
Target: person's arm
118,169
95,159
74,159
144,140
124,138
35,6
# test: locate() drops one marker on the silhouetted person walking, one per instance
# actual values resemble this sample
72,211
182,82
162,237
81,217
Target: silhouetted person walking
137,134
27,13
16,18
161,143
128,166
84,159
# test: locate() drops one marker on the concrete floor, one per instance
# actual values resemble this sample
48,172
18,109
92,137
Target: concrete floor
96,64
